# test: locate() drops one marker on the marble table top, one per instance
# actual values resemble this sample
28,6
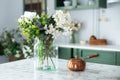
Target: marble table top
25,70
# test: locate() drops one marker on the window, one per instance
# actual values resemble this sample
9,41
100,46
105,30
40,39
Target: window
34,5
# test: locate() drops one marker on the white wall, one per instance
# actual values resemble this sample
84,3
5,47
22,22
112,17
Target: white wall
2,13
10,10
109,30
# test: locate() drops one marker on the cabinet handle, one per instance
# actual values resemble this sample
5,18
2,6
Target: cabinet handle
92,56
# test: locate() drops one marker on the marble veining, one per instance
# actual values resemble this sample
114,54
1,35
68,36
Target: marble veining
17,70
25,70
93,71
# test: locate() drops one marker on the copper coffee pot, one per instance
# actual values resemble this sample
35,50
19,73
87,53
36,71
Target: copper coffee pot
77,64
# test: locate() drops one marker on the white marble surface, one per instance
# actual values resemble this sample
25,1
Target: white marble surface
93,47
24,70
17,70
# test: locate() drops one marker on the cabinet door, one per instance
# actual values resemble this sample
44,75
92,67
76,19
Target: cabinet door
64,53
77,52
118,58
105,57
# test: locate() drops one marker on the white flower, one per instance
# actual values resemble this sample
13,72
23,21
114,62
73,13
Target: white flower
20,19
13,39
26,51
62,18
59,23
45,27
56,34
18,54
50,29
75,25
28,16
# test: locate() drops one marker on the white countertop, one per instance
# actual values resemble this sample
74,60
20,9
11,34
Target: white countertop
17,70
93,47
24,70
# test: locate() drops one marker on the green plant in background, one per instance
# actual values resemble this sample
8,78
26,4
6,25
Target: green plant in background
1,46
1,49
13,44
10,44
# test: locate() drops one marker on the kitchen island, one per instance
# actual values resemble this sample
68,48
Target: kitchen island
25,70
108,54
91,47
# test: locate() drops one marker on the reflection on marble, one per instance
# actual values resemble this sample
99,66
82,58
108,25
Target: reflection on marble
25,70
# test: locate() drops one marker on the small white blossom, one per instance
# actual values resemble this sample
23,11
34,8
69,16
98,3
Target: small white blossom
13,39
20,20
26,51
60,16
75,25
56,34
63,19
18,54
45,27
28,16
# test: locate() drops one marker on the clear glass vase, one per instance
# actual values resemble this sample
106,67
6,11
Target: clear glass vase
72,37
45,55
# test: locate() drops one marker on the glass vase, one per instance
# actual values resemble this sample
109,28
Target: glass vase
72,37
45,56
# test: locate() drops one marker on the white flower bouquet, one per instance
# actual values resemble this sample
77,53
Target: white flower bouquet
34,26
45,29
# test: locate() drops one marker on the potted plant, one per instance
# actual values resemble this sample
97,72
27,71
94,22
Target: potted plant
11,46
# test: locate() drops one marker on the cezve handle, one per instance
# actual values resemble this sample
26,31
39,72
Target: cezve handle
92,56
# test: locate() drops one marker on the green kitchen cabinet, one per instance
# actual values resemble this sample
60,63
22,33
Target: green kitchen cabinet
64,53
67,53
118,58
104,57
81,4
77,52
